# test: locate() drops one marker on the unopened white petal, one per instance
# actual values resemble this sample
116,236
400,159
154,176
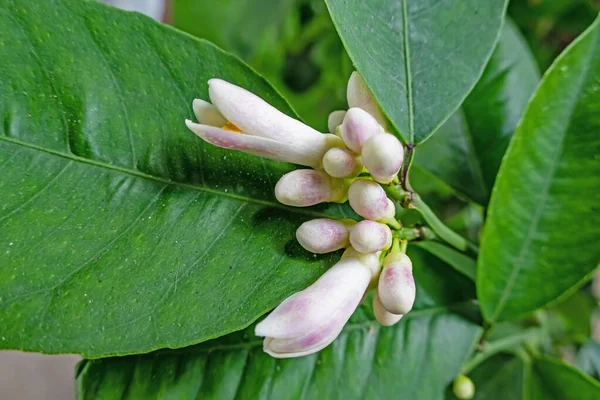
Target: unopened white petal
382,155
323,235
396,284
370,237
335,295
307,187
383,316
255,116
359,95
341,163
368,199
358,126
208,114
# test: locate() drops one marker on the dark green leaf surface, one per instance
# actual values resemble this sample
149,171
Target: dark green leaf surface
415,359
506,377
120,231
541,236
420,58
467,150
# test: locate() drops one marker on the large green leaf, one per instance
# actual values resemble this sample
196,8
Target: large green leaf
506,377
467,150
541,236
420,58
415,359
120,231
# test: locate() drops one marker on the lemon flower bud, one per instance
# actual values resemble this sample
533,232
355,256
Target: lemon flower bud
359,95
341,163
324,235
369,200
382,155
357,128
463,388
240,120
311,319
383,316
368,260
370,236
307,187
396,284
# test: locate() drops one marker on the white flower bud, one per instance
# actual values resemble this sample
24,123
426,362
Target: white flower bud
359,95
370,236
383,316
369,200
311,319
463,388
335,119
396,284
324,235
382,155
307,187
357,128
341,163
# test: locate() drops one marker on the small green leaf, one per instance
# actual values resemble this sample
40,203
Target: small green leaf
120,231
541,235
467,150
415,359
420,58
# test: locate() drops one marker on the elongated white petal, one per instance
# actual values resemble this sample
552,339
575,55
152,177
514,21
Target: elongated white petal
396,284
359,95
383,316
358,127
323,235
341,163
382,155
255,116
307,187
256,145
208,114
370,261
369,200
335,119
370,237
334,296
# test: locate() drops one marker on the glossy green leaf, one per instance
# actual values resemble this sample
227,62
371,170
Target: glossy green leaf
467,150
541,235
506,377
415,359
420,58
120,231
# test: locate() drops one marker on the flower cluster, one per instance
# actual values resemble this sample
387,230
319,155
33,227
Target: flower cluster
350,163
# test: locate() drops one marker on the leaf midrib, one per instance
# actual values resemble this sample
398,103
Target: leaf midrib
409,93
143,175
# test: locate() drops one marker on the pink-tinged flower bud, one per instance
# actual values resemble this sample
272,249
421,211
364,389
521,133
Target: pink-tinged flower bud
359,95
396,284
383,316
341,163
463,388
335,119
369,200
324,235
370,236
357,128
307,187
370,261
308,321
383,155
